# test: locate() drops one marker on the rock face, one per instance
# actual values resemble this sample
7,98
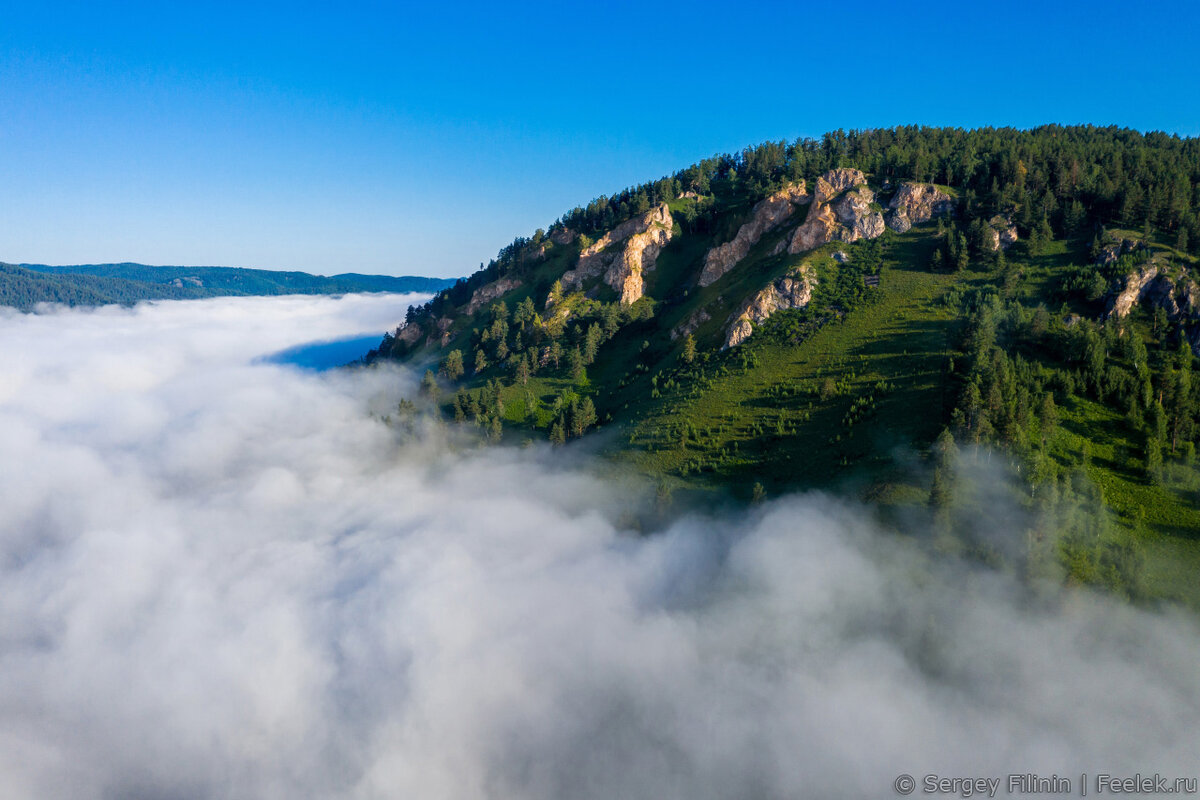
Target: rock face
409,334
1128,297
1110,253
820,227
489,292
641,239
1001,233
915,203
836,181
794,290
841,210
698,318
563,236
767,215
853,210
1179,298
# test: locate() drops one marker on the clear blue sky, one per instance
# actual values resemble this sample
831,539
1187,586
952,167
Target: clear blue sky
379,137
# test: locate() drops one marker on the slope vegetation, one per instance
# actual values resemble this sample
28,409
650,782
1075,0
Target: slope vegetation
925,317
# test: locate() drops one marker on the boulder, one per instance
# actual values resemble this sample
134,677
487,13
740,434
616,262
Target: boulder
640,240
767,215
898,221
794,290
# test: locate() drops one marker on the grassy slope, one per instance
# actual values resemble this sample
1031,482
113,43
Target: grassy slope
755,414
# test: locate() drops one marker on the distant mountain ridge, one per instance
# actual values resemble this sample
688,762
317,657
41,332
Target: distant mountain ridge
23,286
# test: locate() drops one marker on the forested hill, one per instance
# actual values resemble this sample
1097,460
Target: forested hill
876,311
25,285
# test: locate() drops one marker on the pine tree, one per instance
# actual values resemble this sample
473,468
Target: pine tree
577,371
523,369
481,362
1153,459
585,416
591,343
452,367
429,385
1047,416
689,349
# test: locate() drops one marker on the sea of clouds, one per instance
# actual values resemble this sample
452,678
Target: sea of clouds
224,577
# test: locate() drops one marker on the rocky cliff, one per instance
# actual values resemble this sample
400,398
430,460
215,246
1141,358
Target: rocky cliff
915,203
842,210
620,256
1111,252
1136,285
1179,297
489,292
794,290
1001,233
853,210
767,215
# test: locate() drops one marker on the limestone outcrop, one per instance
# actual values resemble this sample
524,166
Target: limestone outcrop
836,181
767,215
915,203
563,236
622,255
689,325
794,290
409,334
820,227
1001,233
1179,297
853,210
842,210
1008,237
1111,252
489,292
1135,285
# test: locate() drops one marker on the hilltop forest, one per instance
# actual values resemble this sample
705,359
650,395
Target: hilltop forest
932,319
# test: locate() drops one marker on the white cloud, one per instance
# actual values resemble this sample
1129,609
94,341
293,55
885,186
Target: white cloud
225,578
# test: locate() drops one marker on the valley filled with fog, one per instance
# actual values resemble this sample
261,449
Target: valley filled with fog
223,576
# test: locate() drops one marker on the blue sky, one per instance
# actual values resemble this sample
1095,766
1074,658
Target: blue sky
382,137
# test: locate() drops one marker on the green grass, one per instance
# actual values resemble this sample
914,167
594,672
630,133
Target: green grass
902,339
762,413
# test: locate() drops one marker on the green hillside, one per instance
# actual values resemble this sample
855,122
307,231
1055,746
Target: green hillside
939,321
24,286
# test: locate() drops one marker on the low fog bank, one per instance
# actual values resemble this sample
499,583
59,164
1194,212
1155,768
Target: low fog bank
229,578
